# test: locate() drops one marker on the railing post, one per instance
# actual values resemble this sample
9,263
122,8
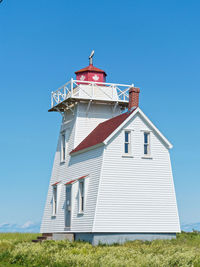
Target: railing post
72,81
64,92
112,87
51,99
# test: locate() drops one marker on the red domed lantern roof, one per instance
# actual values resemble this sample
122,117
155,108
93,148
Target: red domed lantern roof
91,73
91,68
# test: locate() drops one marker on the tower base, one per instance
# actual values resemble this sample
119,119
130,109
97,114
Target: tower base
111,238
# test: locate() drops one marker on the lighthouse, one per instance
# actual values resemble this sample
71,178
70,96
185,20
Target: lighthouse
111,179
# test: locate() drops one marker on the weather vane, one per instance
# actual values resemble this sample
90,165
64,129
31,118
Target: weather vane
91,57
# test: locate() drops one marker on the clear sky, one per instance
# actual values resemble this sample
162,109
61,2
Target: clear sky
153,44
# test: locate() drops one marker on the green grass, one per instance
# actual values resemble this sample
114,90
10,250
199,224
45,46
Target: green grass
6,264
18,236
17,250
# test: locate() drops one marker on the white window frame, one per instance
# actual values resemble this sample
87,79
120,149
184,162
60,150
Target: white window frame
81,196
148,144
63,147
129,154
55,200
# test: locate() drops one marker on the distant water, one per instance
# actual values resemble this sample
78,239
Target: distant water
190,227
31,227
28,227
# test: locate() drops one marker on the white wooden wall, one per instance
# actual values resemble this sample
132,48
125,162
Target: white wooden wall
79,126
136,194
78,166
122,194
88,163
87,121
59,173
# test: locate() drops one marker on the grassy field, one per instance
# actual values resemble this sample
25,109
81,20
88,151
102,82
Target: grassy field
17,250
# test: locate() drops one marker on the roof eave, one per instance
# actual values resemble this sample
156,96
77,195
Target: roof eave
80,71
76,180
165,140
119,127
85,149
168,144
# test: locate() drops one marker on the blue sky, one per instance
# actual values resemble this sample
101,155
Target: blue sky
153,44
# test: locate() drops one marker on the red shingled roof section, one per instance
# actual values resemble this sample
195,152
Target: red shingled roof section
90,68
56,183
102,131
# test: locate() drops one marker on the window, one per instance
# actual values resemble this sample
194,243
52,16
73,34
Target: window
127,142
63,148
54,200
146,143
81,196
64,144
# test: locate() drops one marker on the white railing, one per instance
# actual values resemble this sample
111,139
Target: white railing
73,88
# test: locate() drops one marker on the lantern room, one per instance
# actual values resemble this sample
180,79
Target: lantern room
91,74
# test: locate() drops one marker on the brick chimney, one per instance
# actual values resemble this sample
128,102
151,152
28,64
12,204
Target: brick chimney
133,97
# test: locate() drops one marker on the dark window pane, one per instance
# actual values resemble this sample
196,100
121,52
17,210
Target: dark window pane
82,204
55,192
63,153
126,148
81,196
81,188
55,198
145,138
63,139
145,149
126,136
63,147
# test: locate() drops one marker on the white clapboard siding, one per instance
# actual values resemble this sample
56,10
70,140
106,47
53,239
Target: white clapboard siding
89,163
136,194
87,121
78,166
79,125
49,223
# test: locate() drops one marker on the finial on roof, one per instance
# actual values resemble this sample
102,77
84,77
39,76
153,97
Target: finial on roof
90,57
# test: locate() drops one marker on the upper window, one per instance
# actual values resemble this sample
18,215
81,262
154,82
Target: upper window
146,143
64,144
63,147
54,200
81,196
127,142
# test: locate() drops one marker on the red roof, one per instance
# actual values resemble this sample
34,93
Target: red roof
56,183
102,131
82,177
91,68
72,181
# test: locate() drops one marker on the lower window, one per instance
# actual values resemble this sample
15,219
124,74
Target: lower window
54,208
81,196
